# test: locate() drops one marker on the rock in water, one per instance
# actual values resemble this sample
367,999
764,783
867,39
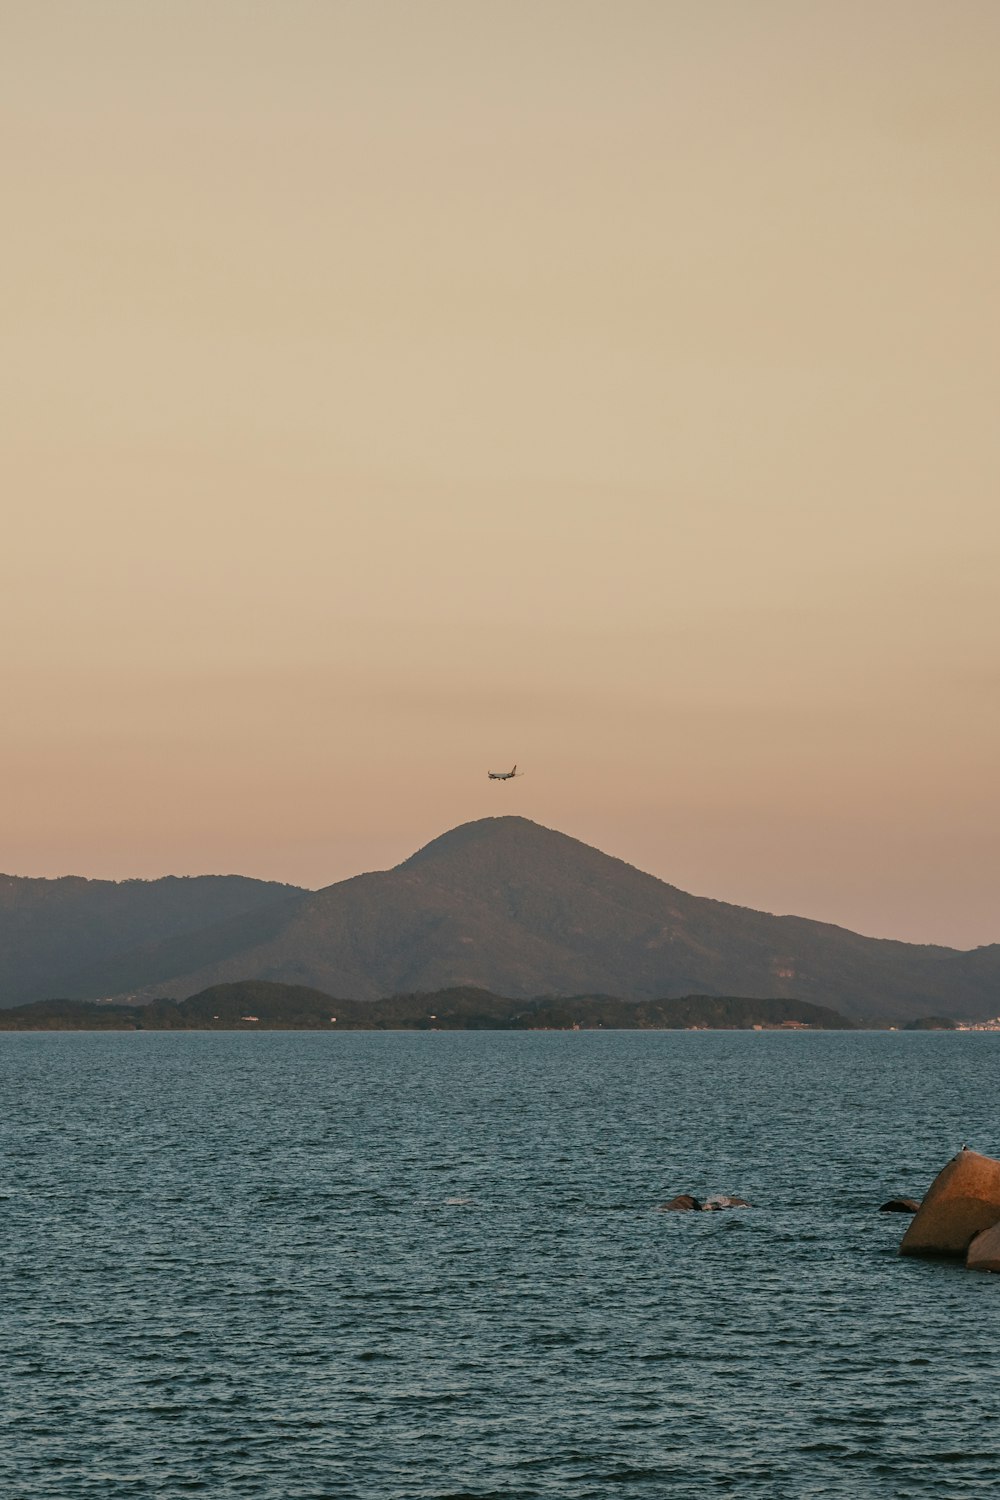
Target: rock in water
899,1206
984,1252
963,1199
724,1200
683,1203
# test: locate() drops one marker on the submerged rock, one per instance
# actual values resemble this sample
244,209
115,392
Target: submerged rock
963,1200
899,1206
683,1203
724,1200
984,1252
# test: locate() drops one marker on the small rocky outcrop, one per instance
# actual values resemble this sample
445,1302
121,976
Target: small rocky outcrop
984,1252
684,1203
899,1206
963,1200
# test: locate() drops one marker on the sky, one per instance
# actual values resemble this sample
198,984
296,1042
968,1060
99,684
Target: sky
395,391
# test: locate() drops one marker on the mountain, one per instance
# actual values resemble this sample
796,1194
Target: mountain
505,905
50,929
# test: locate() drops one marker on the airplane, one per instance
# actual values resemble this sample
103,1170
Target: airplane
504,775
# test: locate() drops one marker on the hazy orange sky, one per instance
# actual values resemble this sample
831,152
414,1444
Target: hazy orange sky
397,390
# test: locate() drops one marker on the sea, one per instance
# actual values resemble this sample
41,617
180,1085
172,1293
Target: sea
304,1266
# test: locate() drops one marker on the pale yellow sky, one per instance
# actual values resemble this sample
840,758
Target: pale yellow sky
394,390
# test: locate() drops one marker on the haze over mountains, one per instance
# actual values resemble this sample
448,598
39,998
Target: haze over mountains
503,904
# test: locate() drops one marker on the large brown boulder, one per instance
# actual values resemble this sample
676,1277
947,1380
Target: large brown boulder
963,1199
984,1252
682,1204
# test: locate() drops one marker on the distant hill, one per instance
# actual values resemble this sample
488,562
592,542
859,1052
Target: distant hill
262,1006
510,907
51,929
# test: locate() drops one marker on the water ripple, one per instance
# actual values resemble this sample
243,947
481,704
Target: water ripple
433,1267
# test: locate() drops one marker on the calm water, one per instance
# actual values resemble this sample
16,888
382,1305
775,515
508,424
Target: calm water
431,1265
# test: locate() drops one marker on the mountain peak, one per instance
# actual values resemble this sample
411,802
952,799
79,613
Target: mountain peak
508,833
507,854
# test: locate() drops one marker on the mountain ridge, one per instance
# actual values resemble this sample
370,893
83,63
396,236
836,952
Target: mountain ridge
51,928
